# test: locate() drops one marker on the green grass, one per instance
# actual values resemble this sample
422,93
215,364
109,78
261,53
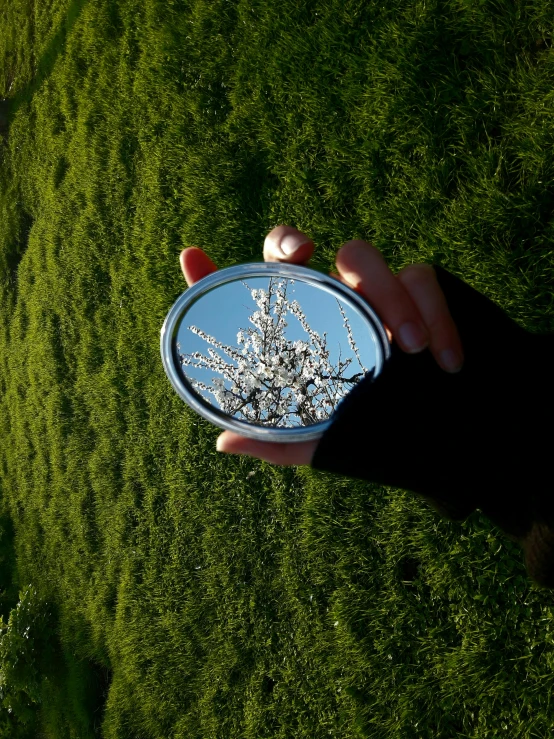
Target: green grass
200,595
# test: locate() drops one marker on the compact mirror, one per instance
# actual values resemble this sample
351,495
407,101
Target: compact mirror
268,350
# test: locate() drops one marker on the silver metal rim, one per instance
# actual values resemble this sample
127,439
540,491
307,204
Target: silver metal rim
260,269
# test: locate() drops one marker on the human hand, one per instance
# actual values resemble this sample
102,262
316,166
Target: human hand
411,305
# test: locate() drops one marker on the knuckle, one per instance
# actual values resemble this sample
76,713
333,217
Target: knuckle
354,245
360,257
443,331
417,272
438,325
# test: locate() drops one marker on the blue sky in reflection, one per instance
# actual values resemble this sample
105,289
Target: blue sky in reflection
225,310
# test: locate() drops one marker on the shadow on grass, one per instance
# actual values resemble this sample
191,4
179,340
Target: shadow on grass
23,221
74,697
9,586
74,689
52,683
10,106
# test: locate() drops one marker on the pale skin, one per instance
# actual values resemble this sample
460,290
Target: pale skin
412,296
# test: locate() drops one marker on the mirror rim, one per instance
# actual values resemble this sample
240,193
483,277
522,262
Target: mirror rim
250,270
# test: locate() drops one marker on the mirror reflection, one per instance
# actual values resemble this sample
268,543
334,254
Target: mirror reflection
274,351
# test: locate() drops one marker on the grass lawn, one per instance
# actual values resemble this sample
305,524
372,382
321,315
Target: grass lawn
172,592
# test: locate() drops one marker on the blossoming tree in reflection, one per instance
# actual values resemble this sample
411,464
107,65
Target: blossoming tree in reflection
272,379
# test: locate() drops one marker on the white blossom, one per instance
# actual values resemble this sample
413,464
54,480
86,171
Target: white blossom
272,379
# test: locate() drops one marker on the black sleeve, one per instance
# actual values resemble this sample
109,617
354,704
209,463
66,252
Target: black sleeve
480,438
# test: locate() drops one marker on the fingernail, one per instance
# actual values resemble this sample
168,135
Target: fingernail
450,360
219,444
412,337
292,242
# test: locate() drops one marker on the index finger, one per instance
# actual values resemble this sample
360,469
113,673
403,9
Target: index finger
364,268
420,281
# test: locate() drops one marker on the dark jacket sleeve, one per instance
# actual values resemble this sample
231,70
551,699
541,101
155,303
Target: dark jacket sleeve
480,438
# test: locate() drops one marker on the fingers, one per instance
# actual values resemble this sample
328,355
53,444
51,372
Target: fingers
297,453
282,244
364,269
287,244
420,282
345,282
411,305
195,265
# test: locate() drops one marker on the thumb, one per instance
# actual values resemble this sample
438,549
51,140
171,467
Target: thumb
295,453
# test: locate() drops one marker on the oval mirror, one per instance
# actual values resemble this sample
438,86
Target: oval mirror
268,350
